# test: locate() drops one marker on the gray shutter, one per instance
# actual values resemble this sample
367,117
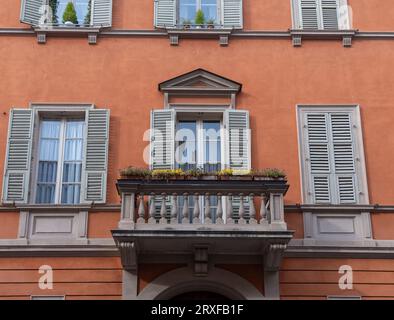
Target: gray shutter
96,156
31,11
102,13
18,156
308,14
238,139
162,139
232,14
318,156
343,152
165,13
329,14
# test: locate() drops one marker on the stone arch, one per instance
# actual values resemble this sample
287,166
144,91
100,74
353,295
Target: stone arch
182,280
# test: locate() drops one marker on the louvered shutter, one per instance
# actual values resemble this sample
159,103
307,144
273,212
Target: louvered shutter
343,152
162,139
331,158
31,11
329,10
344,19
309,18
238,139
319,160
232,14
96,156
165,13
18,156
102,13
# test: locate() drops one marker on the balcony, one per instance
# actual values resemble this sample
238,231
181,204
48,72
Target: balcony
172,220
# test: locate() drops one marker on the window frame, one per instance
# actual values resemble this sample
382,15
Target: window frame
48,111
219,14
361,185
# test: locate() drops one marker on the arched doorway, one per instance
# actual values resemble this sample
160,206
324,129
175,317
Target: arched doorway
201,296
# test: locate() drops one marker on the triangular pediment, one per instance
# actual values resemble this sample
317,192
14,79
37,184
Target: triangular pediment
200,81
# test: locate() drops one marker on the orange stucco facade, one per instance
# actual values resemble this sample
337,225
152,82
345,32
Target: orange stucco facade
122,74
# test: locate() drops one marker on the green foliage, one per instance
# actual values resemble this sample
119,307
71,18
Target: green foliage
200,18
270,173
88,14
211,22
135,172
70,14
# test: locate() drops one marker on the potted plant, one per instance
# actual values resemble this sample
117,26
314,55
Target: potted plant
200,19
268,174
135,173
193,174
70,15
241,175
186,24
225,174
209,176
211,24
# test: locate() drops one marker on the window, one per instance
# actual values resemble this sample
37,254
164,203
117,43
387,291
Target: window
321,14
60,161
82,10
178,13
332,156
97,13
56,155
189,8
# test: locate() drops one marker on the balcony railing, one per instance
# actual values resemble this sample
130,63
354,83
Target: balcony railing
238,203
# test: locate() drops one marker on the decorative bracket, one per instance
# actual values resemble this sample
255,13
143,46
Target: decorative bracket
273,256
201,260
128,254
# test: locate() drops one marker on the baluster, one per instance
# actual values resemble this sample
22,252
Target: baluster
141,210
174,209
163,209
185,209
152,209
241,213
219,211
196,210
263,209
207,210
229,218
252,210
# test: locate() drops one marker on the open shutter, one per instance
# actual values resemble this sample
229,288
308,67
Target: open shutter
96,156
165,13
102,13
162,139
232,14
343,152
329,10
31,11
344,18
308,14
318,156
238,139
18,156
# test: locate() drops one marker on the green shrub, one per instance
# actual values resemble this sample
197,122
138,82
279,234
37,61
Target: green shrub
200,18
270,173
70,14
135,172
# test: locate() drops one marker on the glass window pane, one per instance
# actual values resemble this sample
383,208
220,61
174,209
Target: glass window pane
187,10
72,172
47,171
81,8
45,193
209,7
70,193
186,156
50,129
212,145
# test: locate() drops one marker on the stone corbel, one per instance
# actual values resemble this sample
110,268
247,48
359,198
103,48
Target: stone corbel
128,254
273,256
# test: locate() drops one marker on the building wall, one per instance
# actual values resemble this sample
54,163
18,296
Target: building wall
122,74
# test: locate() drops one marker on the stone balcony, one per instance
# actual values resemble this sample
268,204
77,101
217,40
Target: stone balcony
202,220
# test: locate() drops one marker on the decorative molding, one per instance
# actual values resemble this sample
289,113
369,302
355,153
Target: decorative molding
273,256
201,260
128,253
89,32
221,34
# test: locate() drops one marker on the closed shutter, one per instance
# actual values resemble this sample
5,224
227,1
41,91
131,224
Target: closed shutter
31,11
309,18
232,14
162,139
165,13
96,156
331,157
102,13
329,10
18,156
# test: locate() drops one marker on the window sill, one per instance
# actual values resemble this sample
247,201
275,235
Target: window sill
203,33
64,31
299,34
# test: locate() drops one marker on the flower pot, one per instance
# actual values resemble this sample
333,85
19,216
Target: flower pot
69,23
